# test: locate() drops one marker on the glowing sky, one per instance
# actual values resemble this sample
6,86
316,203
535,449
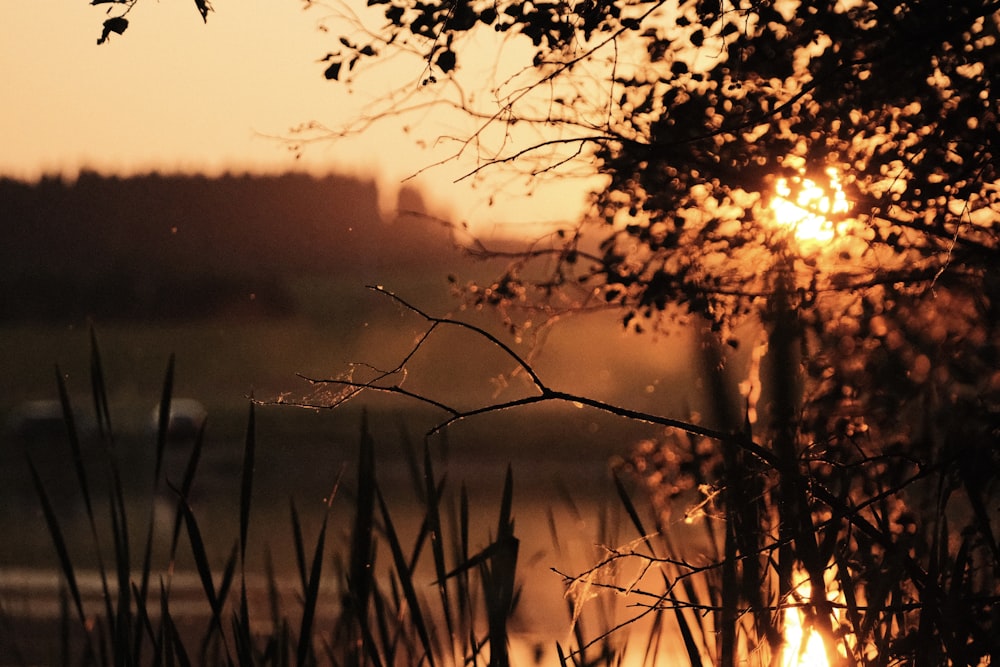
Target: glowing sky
174,94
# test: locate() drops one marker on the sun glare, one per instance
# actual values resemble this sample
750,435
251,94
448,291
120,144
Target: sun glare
801,649
804,646
806,210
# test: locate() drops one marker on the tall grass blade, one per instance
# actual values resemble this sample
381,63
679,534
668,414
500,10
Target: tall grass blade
173,648
62,553
140,592
561,654
143,624
851,611
200,559
633,514
228,575
99,389
72,434
122,619
690,645
64,631
241,622
190,469
463,522
505,526
241,632
361,554
432,520
163,418
310,588
162,432
246,485
383,613
273,595
311,597
406,580
82,480
466,607
241,625
300,552
499,578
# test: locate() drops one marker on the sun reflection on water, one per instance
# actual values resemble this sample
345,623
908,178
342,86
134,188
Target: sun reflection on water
802,649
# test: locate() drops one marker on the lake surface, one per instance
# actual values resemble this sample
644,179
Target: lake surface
559,455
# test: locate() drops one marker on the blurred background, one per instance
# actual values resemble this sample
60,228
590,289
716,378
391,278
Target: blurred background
149,193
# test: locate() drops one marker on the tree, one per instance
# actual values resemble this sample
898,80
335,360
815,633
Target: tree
694,110
728,133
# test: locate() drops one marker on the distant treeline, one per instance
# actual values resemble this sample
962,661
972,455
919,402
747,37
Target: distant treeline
160,246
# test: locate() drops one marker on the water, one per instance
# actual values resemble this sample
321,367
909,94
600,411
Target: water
559,454
561,476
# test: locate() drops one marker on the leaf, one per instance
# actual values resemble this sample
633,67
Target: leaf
488,15
332,72
446,60
115,24
203,8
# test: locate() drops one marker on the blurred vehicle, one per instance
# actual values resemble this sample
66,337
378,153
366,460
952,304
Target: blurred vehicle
187,416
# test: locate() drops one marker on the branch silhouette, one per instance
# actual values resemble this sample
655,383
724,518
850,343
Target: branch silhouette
544,392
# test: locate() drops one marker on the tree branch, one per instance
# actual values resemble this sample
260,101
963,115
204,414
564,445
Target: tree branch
545,393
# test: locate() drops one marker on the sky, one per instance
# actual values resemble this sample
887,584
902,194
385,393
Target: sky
174,94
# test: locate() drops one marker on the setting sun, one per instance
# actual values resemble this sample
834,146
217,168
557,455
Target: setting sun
805,209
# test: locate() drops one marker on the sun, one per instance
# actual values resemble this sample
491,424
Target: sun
807,208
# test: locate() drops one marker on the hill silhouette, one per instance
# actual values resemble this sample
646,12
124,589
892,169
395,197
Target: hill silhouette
182,246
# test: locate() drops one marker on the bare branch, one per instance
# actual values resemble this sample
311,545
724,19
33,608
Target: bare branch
545,393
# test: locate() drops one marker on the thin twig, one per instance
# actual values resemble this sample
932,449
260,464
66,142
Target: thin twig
545,393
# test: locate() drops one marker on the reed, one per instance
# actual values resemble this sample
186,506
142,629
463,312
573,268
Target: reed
905,589
386,616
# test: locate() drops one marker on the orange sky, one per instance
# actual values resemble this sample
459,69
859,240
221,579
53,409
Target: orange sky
174,94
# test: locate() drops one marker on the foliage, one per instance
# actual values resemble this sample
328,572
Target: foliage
877,464
118,11
894,529
708,120
693,111
704,117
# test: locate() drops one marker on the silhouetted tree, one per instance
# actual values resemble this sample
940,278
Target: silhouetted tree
724,131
